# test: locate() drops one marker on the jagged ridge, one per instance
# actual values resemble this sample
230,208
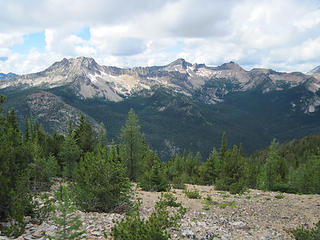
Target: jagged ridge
90,80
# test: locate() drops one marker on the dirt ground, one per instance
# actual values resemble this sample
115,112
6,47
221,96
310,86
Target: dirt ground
252,215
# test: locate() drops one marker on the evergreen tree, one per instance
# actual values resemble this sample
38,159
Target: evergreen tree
101,184
270,176
132,147
69,155
176,173
102,136
85,136
153,177
67,222
306,178
43,169
15,156
224,145
231,176
208,169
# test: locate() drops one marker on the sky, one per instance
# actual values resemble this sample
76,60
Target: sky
280,34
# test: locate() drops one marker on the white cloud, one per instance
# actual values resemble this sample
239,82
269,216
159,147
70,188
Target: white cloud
280,34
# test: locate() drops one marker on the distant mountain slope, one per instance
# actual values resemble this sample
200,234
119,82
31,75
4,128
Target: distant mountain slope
49,110
8,75
315,72
180,105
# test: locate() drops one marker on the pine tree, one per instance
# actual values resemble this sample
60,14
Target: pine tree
208,169
153,177
224,145
132,147
102,136
15,156
100,183
270,176
66,220
43,169
231,175
85,136
69,155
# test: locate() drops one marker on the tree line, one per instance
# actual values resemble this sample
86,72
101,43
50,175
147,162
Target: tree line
100,173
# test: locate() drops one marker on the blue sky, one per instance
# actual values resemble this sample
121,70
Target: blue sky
280,34
31,40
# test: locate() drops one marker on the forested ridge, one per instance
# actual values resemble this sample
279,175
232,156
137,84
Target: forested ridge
99,173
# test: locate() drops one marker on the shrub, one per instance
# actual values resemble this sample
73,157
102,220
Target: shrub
279,196
192,194
135,227
302,233
207,200
170,200
227,204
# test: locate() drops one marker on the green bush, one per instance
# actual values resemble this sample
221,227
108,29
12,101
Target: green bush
192,194
227,204
170,200
279,196
135,227
207,202
302,233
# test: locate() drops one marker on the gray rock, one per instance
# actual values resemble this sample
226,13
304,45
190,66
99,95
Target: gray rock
188,234
3,238
239,225
96,233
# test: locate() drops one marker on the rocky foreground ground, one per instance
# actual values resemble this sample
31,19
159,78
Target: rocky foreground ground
252,215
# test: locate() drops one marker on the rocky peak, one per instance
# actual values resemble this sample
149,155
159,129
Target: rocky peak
78,63
178,65
86,62
230,66
64,63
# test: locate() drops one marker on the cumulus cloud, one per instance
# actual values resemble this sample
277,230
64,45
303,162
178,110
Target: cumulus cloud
279,34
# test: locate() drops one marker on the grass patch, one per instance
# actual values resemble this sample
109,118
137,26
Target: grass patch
170,200
279,196
227,204
192,194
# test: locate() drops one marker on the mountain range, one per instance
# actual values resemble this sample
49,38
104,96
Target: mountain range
180,105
